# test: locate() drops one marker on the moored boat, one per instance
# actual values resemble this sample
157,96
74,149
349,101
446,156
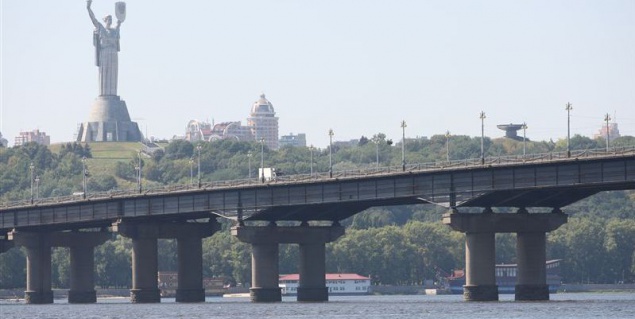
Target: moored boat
506,278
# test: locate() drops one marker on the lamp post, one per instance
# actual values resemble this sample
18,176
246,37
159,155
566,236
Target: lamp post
84,174
139,174
482,117
376,140
524,138
249,161
403,146
568,108
198,149
447,145
607,118
37,187
331,152
31,169
262,160
311,150
191,171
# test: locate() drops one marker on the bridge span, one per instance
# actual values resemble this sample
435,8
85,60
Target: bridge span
537,181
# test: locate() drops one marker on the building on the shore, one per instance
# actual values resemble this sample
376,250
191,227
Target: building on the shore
264,123
613,131
196,131
337,284
32,136
168,282
231,130
293,140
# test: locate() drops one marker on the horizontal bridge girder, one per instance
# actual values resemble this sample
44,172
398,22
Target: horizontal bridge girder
521,185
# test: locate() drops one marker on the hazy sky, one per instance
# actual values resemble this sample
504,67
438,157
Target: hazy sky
358,67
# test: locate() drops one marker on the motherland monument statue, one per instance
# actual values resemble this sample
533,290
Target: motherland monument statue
109,120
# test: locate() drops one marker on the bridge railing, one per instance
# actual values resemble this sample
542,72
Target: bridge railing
298,178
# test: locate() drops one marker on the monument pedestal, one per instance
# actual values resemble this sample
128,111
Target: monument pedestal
109,121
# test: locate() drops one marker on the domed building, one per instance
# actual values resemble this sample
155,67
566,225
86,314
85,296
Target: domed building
263,122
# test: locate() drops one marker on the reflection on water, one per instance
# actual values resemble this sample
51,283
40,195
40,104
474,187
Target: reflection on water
571,305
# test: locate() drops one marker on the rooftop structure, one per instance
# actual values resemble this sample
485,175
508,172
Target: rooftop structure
293,140
198,131
614,132
264,123
32,136
232,130
511,130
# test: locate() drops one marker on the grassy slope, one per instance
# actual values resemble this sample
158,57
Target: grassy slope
105,158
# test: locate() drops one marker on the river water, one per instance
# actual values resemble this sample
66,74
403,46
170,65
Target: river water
564,305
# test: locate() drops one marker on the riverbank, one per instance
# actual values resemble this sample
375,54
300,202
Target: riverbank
375,290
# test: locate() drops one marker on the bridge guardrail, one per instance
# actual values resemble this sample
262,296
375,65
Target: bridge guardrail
374,171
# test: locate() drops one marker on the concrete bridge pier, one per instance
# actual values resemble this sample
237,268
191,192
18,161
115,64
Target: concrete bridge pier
82,249
480,251
312,285
480,261
38,250
265,273
144,260
189,237
531,280
38,266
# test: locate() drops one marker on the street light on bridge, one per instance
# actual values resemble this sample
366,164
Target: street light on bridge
607,118
249,161
403,146
262,159
524,138
482,117
447,145
198,148
139,173
191,171
311,150
568,108
331,152
31,169
37,187
84,176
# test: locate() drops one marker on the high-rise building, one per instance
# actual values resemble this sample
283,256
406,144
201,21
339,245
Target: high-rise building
293,140
264,123
33,136
614,132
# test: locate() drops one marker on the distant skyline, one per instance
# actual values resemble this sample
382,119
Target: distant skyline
358,67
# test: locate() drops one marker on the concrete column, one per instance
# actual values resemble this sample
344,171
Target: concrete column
38,274
82,275
144,257
190,256
264,260
312,286
532,276
480,273
82,247
38,265
144,271
38,246
265,273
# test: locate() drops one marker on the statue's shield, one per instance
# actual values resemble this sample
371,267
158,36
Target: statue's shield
120,11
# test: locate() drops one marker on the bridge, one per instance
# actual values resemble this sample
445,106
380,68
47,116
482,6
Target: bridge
543,183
